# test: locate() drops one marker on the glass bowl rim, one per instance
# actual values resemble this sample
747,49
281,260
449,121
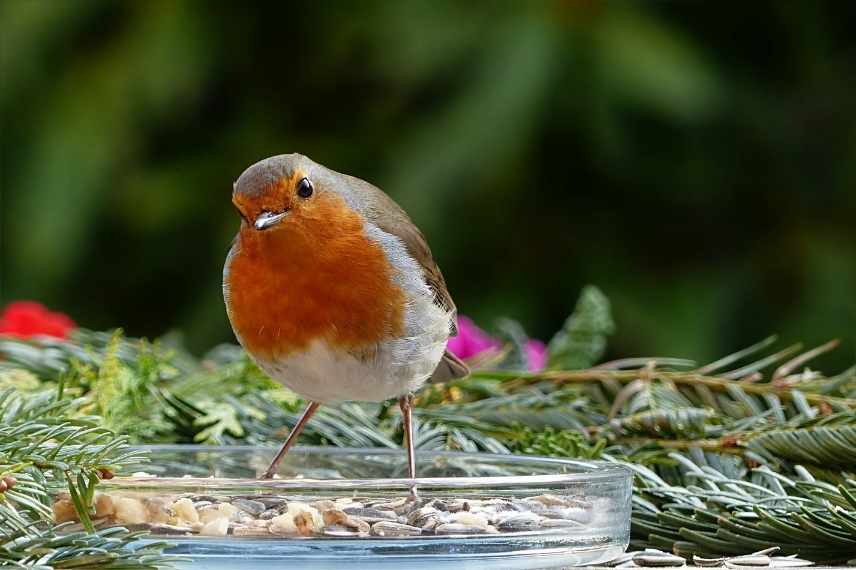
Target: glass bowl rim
591,471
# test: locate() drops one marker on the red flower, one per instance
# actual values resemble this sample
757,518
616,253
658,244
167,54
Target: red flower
26,319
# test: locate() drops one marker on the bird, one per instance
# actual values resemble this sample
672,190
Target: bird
333,292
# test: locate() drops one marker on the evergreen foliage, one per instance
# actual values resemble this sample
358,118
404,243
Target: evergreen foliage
749,451
48,442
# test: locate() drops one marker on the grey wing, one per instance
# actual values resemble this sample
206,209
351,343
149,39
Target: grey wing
388,216
450,366
417,247
383,212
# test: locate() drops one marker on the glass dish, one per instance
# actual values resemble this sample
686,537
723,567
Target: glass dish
334,506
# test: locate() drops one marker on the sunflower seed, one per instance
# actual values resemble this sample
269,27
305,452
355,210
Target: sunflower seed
656,559
392,529
708,562
748,561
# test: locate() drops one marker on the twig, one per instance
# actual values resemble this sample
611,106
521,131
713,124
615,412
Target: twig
726,445
686,378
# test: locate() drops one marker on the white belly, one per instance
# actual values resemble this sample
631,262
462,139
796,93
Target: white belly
326,375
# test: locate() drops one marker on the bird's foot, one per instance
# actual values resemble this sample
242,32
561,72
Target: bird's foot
413,496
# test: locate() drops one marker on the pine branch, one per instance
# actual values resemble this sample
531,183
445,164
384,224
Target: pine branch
111,549
831,446
722,515
717,445
46,443
785,392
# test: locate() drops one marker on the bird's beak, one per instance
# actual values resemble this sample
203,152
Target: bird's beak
268,219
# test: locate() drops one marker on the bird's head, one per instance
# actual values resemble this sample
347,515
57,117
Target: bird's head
275,189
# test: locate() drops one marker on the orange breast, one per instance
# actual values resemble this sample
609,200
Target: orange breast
317,276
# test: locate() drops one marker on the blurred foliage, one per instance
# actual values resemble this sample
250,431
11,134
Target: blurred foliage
697,163
582,341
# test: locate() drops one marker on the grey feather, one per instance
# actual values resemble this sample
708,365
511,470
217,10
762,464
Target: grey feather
450,368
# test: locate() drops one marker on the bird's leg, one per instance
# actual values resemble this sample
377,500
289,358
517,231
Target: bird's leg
406,405
292,437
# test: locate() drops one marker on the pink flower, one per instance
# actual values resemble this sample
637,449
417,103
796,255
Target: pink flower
536,355
472,341
26,319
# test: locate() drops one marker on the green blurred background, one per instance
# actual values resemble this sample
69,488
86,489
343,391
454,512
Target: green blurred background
695,160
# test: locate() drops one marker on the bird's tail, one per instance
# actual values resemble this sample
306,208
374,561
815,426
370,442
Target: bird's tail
450,368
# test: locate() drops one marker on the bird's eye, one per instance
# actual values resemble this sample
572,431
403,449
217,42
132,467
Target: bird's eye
304,188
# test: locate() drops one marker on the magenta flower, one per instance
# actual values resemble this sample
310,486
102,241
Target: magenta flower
536,355
472,341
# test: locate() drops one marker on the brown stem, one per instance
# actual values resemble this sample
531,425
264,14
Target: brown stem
717,445
686,378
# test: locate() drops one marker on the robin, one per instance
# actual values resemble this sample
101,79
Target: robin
333,291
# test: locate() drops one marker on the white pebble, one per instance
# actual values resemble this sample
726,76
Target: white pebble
63,511
470,519
104,505
295,509
299,518
128,510
216,527
283,524
184,510
158,510
221,511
